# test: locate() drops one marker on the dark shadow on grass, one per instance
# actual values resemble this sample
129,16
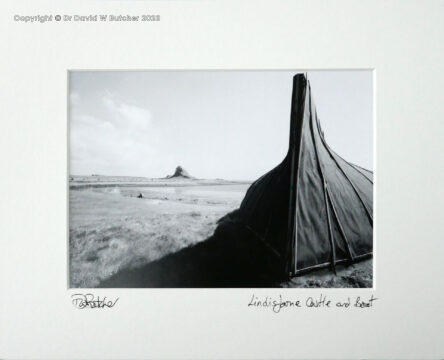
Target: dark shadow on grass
228,259
232,258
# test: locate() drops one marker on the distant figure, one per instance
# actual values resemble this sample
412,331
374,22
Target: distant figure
140,196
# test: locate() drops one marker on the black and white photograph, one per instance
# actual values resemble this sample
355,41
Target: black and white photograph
203,179
248,179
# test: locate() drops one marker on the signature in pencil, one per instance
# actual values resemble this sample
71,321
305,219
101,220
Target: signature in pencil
84,301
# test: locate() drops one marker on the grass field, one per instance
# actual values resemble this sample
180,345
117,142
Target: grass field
112,229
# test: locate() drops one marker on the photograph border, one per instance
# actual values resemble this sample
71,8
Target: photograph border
375,181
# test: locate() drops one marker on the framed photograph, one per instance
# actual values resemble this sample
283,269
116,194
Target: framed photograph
311,211
221,180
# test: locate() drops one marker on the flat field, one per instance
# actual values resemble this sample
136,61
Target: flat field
111,229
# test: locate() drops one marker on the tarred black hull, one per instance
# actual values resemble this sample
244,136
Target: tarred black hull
314,209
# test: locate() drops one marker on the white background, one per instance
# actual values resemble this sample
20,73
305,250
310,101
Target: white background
401,40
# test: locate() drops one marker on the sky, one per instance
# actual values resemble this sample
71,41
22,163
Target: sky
232,125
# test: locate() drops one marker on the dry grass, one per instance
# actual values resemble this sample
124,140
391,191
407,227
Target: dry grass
111,229
359,275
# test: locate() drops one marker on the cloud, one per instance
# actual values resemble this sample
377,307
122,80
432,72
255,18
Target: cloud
125,116
118,139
